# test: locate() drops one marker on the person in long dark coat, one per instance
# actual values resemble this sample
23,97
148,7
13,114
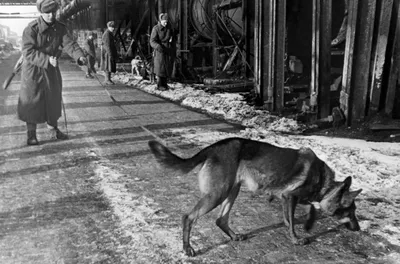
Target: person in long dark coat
109,52
41,84
90,52
160,41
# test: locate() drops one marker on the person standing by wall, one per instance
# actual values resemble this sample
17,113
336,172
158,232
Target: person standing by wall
90,52
160,39
40,97
109,53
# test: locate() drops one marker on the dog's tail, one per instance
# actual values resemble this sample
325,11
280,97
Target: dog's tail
170,160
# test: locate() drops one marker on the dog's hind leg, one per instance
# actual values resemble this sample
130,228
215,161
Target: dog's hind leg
223,219
205,205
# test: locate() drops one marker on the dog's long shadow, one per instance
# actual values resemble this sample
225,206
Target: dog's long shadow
260,230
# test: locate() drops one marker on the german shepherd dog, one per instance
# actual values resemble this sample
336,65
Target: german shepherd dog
292,175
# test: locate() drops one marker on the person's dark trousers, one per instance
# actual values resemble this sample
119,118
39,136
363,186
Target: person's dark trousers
162,83
90,67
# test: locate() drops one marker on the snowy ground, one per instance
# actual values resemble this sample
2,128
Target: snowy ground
374,166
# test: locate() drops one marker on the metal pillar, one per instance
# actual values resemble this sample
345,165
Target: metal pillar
321,58
270,28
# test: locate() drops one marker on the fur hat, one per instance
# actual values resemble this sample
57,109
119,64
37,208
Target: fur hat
163,16
46,6
110,24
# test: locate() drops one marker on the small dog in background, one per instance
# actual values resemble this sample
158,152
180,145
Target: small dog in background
296,176
137,65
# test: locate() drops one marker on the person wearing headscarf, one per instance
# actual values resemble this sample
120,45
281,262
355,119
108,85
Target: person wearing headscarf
160,41
90,52
109,54
40,98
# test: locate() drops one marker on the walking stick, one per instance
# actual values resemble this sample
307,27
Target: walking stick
65,116
16,70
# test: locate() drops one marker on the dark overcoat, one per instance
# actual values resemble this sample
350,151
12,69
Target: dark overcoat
109,52
160,41
41,83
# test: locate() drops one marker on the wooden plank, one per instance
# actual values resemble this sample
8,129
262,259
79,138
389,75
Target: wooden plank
362,63
390,126
324,92
279,68
231,88
380,54
345,94
394,62
233,55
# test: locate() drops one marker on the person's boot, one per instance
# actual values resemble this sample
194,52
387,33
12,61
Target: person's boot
32,139
108,79
57,134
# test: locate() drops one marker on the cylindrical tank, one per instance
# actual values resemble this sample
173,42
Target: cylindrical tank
229,21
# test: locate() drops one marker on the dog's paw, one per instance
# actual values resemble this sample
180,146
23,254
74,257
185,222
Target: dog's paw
189,251
239,237
300,241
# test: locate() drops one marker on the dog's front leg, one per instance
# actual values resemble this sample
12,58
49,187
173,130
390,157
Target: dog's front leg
291,202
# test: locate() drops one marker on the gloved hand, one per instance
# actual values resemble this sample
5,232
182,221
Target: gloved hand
53,61
82,61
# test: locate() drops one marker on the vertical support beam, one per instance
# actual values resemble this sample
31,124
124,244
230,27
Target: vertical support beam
315,56
360,81
257,50
279,68
152,14
215,43
245,37
324,91
381,44
183,34
394,62
268,11
270,28
345,95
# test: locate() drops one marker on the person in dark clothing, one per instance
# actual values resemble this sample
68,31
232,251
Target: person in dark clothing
160,41
90,52
109,53
40,96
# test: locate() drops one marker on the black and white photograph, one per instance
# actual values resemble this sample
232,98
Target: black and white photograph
199,131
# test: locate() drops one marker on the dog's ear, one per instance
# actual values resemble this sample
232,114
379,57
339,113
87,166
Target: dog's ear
349,197
347,183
